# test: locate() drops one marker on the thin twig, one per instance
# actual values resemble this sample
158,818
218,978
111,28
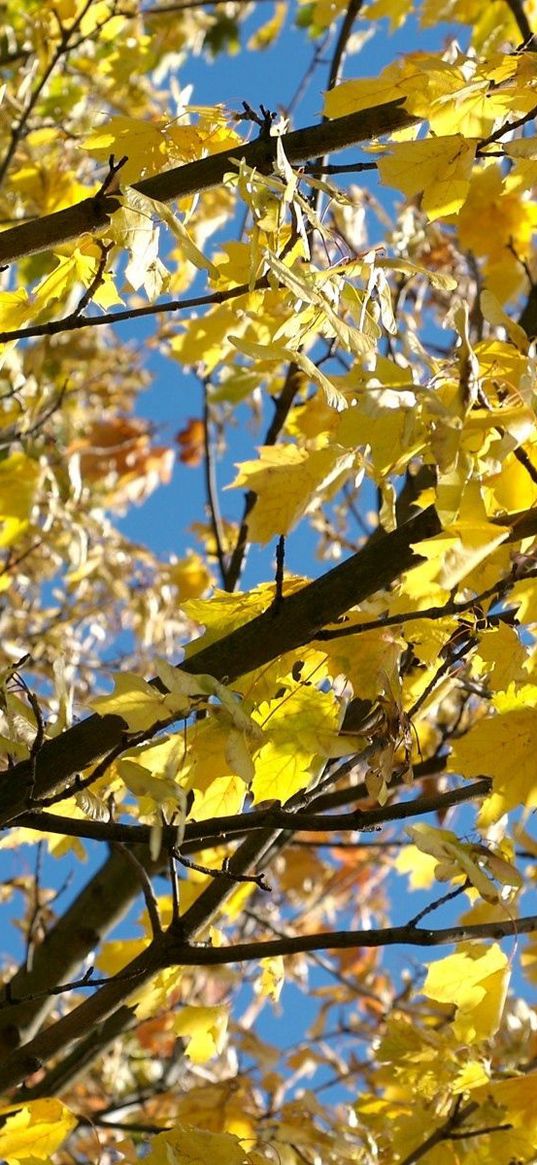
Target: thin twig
450,608
72,322
432,906
89,293
506,128
338,59
224,872
34,918
147,887
211,487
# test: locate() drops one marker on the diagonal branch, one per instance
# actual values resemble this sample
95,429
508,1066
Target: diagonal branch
93,214
247,648
299,618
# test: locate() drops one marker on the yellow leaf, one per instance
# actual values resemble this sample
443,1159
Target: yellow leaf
138,703
301,727
498,221
154,996
115,954
517,1096
142,783
19,477
503,746
35,1130
439,168
185,1145
222,797
462,545
205,1029
482,867
495,315
388,421
475,982
286,480
269,31
190,575
239,755
272,978
500,657
146,144
15,308
188,246
418,865
473,1075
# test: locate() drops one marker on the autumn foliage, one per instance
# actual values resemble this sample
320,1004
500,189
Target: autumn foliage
275,791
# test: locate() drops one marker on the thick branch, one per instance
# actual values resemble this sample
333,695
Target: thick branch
93,214
101,904
102,1006
171,950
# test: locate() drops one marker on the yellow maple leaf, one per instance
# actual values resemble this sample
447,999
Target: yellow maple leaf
418,865
35,1130
272,978
501,657
157,790
205,1029
186,1145
15,308
138,703
497,221
223,612
475,981
116,953
222,797
300,728
286,480
388,421
473,1075
19,478
190,575
438,168
146,145
421,78
503,747
481,866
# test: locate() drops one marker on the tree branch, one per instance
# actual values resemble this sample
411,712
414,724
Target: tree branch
389,936
94,213
247,648
220,829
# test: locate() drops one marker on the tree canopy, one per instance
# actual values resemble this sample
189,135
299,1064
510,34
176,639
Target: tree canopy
276,796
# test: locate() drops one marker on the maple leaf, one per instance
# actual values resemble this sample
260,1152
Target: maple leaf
205,1029
502,746
476,983
438,168
286,480
32,1132
186,1145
